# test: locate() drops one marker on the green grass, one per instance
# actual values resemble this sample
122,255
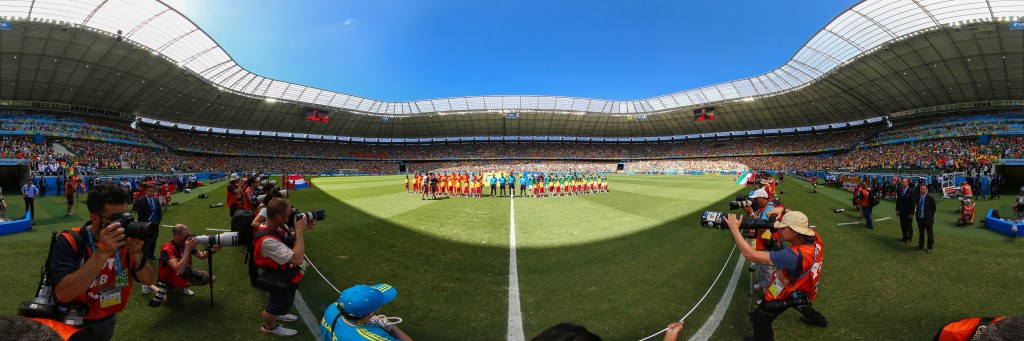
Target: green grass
624,263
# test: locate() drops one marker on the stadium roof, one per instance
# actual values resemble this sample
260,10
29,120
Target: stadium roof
875,58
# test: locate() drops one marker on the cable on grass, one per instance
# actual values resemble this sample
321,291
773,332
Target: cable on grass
322,274
720,272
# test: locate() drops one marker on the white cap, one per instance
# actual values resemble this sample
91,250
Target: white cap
760,193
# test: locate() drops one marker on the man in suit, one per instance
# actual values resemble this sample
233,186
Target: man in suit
905,210
925,214
148,208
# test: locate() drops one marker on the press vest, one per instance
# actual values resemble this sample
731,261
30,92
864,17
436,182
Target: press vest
262,234
105,280
966,329
810,261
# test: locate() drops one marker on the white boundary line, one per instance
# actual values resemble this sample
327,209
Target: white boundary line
307,316
515,313
856,222
709,327
886,218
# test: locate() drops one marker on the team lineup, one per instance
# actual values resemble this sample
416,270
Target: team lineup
532,184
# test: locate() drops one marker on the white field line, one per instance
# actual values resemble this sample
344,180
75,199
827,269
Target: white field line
515,313
709,327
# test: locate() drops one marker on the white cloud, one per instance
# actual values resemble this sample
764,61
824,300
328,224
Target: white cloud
350,22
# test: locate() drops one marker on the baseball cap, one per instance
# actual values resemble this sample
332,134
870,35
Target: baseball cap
796,221
763,182
361,300
760,193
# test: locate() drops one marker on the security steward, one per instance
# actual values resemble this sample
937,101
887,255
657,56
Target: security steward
94,265
795,280
280,253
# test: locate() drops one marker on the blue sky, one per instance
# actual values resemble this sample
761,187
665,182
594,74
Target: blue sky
400,50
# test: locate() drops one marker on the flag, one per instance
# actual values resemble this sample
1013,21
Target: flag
297,182
742,178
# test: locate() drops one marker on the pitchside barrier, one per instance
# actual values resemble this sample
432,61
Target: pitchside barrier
15,226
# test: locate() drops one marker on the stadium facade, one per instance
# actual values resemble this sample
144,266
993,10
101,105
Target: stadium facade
876,59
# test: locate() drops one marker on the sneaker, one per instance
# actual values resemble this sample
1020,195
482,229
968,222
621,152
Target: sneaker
146,290
189,293
287,318
279,331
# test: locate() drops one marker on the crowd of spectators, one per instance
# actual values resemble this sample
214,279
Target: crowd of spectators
790,152
965,125
514,166
266,146
63,126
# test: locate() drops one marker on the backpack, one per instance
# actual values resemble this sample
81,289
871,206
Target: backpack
873,198
241,222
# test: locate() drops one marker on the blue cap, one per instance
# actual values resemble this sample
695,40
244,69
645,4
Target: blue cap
361,300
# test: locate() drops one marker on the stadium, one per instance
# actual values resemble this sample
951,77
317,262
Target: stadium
605,220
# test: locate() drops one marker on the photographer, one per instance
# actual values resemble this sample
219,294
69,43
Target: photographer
234,192
249,195
176,265
93,265
764,240
280,253
795,282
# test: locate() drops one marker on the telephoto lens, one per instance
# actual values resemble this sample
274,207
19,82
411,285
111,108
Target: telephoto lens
225,239
740,204
158,296
317,215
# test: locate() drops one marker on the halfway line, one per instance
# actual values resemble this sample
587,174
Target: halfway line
515,314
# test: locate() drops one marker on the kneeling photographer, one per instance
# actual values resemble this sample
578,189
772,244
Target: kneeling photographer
176,273
794,284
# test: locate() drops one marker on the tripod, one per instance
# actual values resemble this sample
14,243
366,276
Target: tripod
209,264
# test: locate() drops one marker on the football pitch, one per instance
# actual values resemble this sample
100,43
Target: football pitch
624,264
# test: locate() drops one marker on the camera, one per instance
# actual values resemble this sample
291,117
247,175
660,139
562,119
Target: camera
743,197
225,239
717,220
273,194
196,276
159,295
142,230
735,205
316,215
796,299
43,306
